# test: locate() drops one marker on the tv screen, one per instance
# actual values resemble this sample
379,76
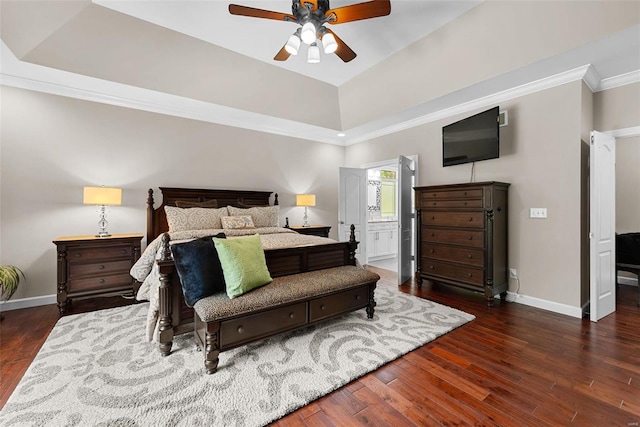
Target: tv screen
472,139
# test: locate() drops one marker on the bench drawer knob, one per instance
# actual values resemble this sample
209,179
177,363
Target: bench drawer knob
291,315
240,330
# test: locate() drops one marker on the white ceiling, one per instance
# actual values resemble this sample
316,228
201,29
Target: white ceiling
373,40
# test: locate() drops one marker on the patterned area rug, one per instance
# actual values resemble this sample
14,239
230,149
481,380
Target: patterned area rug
97,369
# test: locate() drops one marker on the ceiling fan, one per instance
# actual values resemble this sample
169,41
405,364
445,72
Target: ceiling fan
312,15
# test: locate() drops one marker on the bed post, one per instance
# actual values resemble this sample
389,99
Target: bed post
150,224
353,245
275,200
165,264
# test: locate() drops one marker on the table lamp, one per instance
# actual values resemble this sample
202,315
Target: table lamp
103,197
305,200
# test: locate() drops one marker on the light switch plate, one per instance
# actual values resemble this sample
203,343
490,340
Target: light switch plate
538,213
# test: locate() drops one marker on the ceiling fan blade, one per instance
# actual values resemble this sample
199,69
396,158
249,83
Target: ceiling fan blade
235,9
344,52
356,12
282,55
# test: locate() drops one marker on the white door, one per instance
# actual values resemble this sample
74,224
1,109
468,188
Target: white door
352,207
405,219
602,199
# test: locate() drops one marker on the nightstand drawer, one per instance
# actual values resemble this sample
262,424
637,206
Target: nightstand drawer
99,268
87,254
99,282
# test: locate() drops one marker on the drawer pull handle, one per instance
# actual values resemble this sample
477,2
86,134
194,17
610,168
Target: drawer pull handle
433,217
465,193
469,274
465,203
470,218
291,316
357,297
470,256
101,267
78,255
322,307
431,251
431,267
101,281
470,237
433,234
124,251
240,330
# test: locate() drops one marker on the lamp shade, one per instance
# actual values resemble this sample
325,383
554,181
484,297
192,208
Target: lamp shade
102,196
305,200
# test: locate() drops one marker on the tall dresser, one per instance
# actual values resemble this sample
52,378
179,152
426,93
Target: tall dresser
462,236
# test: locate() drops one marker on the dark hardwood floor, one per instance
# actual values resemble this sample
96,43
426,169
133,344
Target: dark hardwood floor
512,366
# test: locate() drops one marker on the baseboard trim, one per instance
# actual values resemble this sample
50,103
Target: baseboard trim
28,302
545,305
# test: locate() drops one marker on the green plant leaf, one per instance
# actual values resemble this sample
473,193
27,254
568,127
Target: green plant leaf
9,281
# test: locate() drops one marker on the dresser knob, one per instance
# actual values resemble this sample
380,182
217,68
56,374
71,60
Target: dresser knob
291,316
101,281
470,237
101,267
357,297
78,255
433,234
435,203
322,307
240,330
470,218
470,256
465,193
465,203
469,274
124,251
433,217
431,267
431,251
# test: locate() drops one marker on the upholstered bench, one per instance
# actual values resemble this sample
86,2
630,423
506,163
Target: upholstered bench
287,303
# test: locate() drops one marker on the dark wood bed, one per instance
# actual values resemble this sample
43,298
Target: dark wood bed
175,317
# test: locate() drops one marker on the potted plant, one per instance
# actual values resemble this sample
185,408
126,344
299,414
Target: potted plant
9,281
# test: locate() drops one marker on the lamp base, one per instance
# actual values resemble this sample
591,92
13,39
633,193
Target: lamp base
305,219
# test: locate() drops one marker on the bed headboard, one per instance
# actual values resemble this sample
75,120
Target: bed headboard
156,217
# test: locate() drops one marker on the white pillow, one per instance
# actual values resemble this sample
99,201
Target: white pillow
263,216
183,219
239,222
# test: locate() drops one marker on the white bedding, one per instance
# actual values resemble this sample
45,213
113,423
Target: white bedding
145,270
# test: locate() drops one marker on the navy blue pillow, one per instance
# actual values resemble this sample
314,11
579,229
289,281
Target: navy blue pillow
199,268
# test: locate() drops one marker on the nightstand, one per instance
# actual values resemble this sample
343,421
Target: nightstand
91,266
313,230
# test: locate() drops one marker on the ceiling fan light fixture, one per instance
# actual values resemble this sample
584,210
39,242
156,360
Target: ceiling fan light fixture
313,54
308,34
293,44
329,43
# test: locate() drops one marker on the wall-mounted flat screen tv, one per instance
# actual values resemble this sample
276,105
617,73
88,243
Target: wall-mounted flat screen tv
472,139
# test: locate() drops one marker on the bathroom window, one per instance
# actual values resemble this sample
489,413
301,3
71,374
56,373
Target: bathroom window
388,198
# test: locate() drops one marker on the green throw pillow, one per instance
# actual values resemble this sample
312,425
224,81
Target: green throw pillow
243,264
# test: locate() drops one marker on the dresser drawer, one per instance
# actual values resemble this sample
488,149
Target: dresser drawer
460,255
99,268
435,203
454,219
90,254
471,275
471,238
237,331
337,303
99,282
453,194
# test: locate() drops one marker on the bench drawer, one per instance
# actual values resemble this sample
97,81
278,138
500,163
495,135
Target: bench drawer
331,305
250,328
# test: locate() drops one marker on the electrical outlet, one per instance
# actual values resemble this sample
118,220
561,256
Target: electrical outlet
538,213
513,273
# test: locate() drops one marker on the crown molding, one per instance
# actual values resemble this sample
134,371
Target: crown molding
621,80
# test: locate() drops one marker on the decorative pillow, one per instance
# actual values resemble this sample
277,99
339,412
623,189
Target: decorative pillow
243,264
263,216
237,222
180,219
199,268
213,203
